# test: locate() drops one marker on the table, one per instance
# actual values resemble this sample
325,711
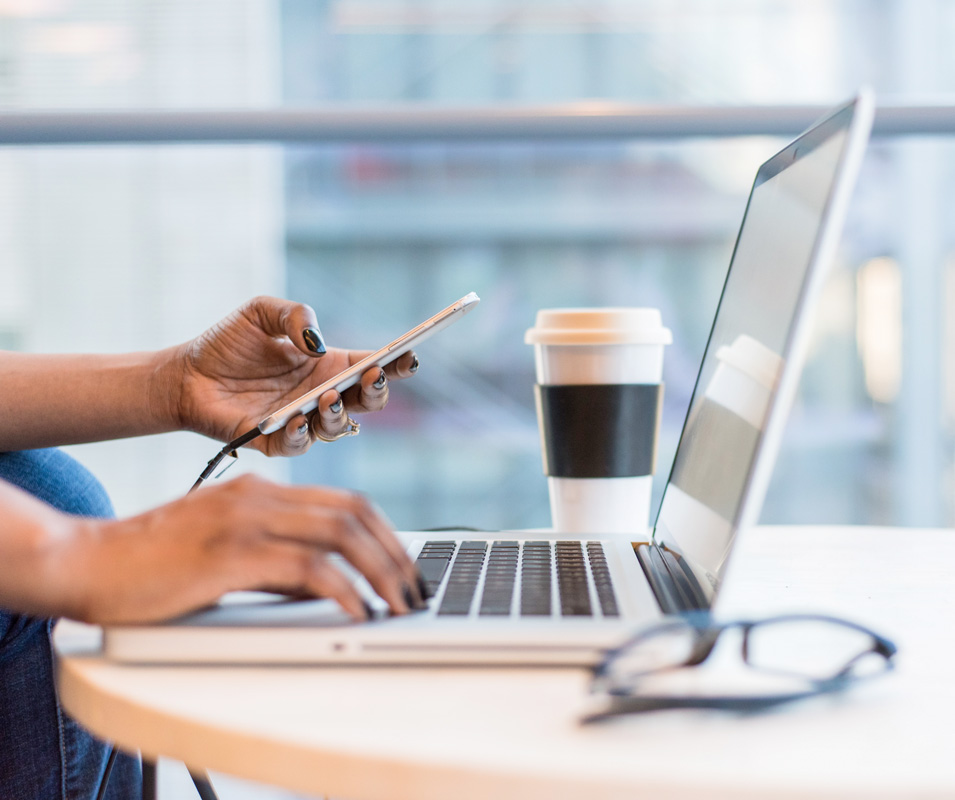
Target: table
372,733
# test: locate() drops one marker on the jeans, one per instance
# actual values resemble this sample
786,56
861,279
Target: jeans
43,753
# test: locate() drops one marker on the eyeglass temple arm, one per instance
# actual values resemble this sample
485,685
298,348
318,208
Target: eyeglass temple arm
230,448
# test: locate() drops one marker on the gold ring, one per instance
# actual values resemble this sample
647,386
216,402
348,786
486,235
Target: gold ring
351,430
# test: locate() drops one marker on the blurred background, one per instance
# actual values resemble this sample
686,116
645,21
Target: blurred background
139,246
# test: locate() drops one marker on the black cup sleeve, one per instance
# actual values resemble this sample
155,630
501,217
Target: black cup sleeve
599,431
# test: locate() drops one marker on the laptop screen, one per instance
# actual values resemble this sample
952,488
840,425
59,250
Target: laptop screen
747,350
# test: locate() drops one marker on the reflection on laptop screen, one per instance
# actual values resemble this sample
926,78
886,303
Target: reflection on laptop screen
700,510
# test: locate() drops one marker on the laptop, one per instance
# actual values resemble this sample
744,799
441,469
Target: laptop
536,597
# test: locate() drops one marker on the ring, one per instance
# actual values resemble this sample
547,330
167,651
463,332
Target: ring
352,430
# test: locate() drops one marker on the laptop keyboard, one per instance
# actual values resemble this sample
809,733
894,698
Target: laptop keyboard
512,578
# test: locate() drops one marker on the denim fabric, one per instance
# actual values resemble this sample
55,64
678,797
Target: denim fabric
43,753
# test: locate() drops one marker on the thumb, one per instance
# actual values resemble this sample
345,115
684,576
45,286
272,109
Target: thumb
295,320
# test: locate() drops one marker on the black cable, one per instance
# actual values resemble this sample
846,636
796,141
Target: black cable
202,786
200,780
101,794
230,449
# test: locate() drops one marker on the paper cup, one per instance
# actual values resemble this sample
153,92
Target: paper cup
599,398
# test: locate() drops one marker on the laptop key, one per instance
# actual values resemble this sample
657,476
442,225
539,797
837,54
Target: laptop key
601,573
463,580
572,580
432,570
499,580
536,580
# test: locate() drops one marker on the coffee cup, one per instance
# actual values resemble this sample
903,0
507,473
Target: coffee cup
599,397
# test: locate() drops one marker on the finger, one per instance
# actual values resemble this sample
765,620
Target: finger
297,321
337,530
294,569
331,419
293,440
374,522
349,523
403,367
379,527
371,393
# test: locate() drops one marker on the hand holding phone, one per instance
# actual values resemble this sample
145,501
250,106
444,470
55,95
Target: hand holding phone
309,401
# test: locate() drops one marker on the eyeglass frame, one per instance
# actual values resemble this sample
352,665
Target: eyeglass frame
708,633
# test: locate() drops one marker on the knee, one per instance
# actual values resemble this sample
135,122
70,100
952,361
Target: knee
56,478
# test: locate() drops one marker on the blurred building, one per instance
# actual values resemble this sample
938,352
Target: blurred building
115,248
106,249
381,235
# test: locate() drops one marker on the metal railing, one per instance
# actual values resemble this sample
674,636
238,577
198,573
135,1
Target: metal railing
918,442
584,120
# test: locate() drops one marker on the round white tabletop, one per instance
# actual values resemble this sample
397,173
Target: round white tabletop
403,732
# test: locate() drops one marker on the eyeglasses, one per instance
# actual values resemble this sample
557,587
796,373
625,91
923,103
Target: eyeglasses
794,657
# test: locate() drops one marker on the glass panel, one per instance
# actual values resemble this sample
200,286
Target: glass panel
525,227
143,246
126,249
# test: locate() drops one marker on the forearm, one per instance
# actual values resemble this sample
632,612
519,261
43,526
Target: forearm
50,400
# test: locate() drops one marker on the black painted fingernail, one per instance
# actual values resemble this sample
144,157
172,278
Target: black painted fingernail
423,588
336,406
414,364
416,603
369,611
302,429
314,341
378,384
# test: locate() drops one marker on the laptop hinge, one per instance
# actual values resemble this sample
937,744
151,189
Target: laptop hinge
673,583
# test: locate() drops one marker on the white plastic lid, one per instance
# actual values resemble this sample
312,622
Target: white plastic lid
587,326
752,358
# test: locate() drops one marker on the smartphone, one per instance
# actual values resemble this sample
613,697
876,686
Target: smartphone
309,401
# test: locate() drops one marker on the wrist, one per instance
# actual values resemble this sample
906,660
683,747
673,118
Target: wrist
166,389
81,560
63,563
44,554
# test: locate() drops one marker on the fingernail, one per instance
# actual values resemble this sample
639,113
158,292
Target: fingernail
336,406
413,602
423,587
378,384
314,341
302,429
369,611
414,364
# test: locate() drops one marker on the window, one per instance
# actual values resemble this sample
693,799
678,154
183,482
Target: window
142,245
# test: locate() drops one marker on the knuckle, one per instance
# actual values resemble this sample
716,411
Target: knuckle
306,566
260,301
218,500
235,518
248,482
342,529
359,504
